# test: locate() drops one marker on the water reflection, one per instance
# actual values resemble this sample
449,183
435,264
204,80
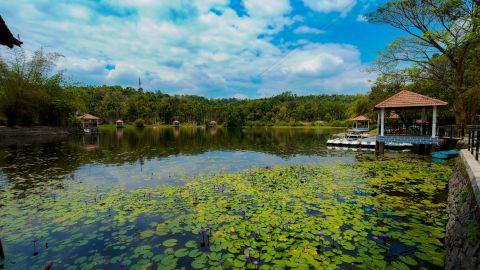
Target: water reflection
154,155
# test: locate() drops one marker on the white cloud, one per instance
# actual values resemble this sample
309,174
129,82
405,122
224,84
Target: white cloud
193,51
267,8
308,30
361,18
326,6
318,67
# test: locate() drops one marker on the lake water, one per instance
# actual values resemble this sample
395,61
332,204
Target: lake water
136,158
183,198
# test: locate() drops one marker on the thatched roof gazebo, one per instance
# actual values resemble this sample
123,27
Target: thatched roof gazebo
89,122
361,123
6,37
119,123
408,133
393,115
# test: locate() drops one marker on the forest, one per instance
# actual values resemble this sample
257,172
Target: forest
438,56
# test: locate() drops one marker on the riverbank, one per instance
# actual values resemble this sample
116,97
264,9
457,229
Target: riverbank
27,135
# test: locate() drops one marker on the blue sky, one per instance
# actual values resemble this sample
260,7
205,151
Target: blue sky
213,48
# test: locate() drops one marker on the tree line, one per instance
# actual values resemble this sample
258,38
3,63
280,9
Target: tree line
441,49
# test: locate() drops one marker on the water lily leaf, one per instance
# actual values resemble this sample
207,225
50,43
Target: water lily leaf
170,242
181,252
169,260
190,244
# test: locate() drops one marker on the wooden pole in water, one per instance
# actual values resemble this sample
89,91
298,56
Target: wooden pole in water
2,253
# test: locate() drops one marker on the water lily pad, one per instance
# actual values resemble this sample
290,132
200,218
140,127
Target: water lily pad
170,242
181,252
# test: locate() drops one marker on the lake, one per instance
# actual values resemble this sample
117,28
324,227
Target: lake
136,158
218,198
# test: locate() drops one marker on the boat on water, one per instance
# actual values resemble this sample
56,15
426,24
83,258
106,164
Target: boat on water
446,154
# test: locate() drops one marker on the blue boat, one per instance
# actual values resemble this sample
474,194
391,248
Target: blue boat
445,154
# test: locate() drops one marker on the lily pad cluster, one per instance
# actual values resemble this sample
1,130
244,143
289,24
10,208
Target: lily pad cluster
373,214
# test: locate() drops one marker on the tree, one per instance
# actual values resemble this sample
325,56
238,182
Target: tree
439,32
31,92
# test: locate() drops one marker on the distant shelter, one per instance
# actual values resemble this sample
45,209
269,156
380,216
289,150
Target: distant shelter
89,123
361,123
119,123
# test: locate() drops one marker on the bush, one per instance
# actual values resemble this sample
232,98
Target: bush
139,123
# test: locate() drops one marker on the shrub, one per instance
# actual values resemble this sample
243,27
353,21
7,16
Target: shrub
139,123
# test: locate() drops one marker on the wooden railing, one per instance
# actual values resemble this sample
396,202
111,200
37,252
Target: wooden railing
474,140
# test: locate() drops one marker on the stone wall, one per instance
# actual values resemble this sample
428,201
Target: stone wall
408,139
463,227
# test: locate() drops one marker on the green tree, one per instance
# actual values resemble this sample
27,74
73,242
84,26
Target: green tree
31,92
441,35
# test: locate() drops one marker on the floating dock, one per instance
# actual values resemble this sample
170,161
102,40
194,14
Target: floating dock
361,141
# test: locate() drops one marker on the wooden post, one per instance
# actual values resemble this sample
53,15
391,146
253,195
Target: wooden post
2,253
382,122
434,122
423,121
378,123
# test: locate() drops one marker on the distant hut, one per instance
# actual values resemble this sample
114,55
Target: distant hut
213,123
119,123
6,37
89,123
393,115
176,123
361,123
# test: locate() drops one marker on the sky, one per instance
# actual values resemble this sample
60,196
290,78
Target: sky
212,48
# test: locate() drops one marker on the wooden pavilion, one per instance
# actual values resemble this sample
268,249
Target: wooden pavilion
6,37
422,134
361,123
89,123
119,123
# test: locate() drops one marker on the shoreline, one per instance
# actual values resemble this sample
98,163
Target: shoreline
28,135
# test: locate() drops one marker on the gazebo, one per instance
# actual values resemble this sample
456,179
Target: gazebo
406,133
89,123
393,115
176,123
361,123
119,123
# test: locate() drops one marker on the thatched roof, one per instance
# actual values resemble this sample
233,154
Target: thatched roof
88,116
360,118
393,115
6,37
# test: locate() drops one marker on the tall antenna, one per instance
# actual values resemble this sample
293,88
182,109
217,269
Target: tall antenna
140,85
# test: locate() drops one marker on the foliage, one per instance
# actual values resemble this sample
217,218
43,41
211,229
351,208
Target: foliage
31,92
442,41
139,123
375,214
